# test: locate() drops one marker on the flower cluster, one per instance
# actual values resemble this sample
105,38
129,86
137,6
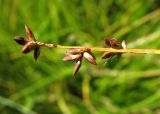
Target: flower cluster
113,43
77,56
29,44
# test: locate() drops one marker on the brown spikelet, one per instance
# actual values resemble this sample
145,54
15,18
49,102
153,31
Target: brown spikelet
74,51
29,47
72,57
29,44
26,49
89,58
113,43
77,67
29,34
20,40
36,53
108,55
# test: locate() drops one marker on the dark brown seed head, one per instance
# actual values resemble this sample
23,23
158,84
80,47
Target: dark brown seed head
20,40
77,67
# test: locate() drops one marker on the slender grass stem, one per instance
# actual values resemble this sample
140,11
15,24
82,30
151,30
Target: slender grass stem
99,49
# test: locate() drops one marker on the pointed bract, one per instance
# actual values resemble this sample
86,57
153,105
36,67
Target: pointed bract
29,34
108,55
89,57
72,57
29,47
77,67
92,55
20,40
26,49
36,52
124,46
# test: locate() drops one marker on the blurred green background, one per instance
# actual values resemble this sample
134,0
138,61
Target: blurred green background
129,85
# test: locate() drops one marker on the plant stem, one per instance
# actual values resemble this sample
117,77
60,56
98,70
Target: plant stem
99,49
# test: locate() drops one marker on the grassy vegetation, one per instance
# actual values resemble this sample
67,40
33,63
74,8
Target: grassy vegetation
128,85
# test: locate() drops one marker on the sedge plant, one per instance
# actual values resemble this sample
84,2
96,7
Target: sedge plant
77,53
